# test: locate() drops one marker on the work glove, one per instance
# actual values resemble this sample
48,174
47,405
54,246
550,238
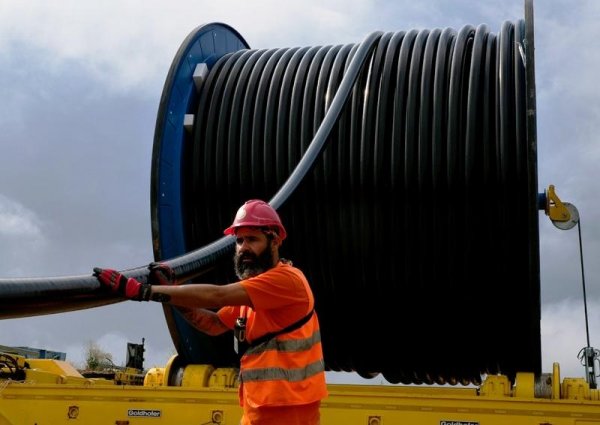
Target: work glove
161,274
122,285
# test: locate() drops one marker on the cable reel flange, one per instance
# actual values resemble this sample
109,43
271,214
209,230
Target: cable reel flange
201,49
204,45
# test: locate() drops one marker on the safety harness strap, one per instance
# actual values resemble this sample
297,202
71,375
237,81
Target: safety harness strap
292,327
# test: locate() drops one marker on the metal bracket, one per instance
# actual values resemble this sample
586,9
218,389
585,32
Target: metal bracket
555,209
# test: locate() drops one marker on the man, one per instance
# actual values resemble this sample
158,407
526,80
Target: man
271,308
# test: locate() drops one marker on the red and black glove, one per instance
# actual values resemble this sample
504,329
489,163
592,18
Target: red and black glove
161,274
124,286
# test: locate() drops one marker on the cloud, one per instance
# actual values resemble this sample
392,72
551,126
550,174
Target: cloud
127,45
21,232
18,221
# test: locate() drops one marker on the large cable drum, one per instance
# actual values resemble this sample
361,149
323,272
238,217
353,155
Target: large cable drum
416,223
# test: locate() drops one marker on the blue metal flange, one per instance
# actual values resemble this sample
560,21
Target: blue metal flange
204,45
179,101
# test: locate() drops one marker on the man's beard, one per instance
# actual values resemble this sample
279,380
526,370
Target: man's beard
258,264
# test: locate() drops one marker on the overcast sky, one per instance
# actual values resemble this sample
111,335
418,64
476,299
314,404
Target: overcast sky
80,84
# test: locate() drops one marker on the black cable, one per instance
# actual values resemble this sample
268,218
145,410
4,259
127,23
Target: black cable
588,355
418,160
410,160
587,329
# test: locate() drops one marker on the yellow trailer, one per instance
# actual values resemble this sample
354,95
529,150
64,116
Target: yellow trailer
52,392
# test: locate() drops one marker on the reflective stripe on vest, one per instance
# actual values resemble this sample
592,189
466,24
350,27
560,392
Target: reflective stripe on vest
288,346
290,375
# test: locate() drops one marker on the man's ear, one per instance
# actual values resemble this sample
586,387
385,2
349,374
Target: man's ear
276,240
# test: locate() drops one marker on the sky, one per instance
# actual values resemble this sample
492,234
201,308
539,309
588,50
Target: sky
80,84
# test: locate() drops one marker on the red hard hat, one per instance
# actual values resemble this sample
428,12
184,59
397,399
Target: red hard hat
256,213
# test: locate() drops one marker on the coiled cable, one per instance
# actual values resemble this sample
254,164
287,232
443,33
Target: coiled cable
416,216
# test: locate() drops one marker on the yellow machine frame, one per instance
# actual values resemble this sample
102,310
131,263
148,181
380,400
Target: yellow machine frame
54,393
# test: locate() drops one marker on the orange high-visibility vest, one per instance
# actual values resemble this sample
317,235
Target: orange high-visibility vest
286,370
